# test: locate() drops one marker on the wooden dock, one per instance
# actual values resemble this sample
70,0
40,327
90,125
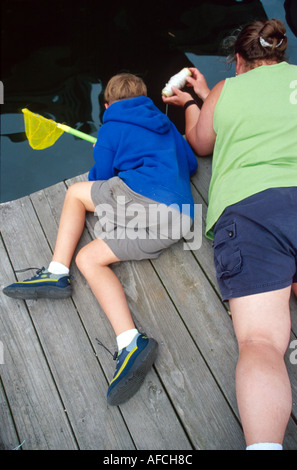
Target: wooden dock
54,374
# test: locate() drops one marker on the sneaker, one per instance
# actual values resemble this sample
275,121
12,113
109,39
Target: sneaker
133,363
43,285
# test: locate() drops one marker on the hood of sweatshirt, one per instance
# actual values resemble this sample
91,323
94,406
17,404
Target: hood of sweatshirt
139,111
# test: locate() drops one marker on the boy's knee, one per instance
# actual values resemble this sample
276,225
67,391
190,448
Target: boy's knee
81,259
72,190
81,191
85,258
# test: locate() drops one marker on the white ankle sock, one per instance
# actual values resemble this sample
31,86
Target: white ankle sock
265,446
57,268
126,337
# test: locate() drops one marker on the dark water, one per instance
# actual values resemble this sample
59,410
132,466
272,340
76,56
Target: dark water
57,57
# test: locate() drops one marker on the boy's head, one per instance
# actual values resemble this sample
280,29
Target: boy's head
124,86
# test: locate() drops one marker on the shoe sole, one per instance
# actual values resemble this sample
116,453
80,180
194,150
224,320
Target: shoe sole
133,380
40,293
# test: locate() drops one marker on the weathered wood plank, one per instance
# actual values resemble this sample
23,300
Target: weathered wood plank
8,434
204,314
204,254
32,396
201,178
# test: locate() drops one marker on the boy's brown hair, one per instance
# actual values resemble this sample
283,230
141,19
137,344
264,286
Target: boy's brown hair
124,86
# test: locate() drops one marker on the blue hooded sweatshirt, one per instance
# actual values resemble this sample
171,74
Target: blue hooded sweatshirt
140,145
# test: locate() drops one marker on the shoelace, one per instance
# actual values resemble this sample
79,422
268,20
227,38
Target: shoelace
38,270
114,356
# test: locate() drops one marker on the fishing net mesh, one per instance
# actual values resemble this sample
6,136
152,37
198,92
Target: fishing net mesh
41,132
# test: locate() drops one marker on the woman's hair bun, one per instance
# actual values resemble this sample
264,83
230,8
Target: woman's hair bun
273,34
260,40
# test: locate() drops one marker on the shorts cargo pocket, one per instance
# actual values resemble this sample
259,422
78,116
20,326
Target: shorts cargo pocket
227,257
119,191
227,263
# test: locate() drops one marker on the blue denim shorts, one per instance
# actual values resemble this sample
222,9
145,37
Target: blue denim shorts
255,244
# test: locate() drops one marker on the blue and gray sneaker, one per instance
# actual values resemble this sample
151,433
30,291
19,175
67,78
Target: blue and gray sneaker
43,285
133,363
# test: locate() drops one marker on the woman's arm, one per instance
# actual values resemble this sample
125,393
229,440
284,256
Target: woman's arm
205,136
199,123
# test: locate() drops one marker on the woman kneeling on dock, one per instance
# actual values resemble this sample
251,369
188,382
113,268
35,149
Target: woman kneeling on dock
249,122
143,165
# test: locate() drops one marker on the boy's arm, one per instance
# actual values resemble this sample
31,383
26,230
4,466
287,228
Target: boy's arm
103,155
103,168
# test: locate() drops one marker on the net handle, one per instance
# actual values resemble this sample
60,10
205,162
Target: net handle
77,133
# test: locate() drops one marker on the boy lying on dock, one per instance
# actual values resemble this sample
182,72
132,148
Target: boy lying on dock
142,164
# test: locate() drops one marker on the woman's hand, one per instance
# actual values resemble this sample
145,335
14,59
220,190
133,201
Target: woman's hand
198,82
178,99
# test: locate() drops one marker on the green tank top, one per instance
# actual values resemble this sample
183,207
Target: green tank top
255,120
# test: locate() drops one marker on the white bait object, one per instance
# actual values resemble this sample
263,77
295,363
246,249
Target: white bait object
178,80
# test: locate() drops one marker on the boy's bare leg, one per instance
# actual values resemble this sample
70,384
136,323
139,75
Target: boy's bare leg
262,326
294,288
93,261
77,202
136,352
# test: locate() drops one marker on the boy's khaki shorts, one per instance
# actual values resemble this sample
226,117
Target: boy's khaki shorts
133,226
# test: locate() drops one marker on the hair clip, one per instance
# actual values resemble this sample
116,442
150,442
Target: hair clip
267,44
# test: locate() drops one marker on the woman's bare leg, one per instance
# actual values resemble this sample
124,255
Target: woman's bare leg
262,326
